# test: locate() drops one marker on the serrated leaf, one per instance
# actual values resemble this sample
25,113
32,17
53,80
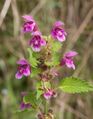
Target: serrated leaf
39,93
31,98
56,46
54,61
34,62
35,72
75,85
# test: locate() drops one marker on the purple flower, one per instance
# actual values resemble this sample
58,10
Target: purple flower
68,59
48,94
23,105
37,42
29,25
58,32
23,69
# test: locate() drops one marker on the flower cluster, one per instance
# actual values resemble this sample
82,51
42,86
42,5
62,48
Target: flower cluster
37,43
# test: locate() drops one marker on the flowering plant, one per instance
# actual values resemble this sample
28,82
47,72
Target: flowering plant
43,64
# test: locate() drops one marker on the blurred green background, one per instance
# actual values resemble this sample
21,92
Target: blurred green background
78,18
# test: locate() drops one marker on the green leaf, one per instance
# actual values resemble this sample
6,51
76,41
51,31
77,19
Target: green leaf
39,93
31,98
56,46
54,61
75,85
34,62
35,72
47,84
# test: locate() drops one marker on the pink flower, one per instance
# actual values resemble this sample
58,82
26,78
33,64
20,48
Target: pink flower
24,105
29,25
23,69
58,32
37,42
68,59
48,94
